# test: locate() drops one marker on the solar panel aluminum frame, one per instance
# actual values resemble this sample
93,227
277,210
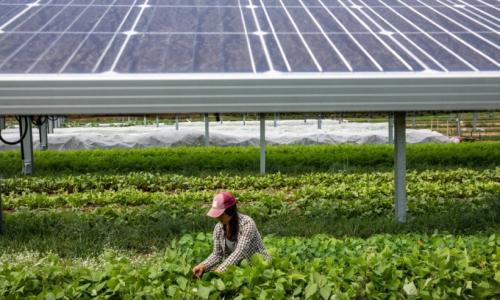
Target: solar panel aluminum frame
47,94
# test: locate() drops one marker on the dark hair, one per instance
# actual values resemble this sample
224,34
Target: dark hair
233,226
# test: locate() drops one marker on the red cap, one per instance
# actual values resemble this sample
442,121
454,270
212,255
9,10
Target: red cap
221,201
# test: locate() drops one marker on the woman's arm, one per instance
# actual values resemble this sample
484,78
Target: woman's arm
217,253
243,248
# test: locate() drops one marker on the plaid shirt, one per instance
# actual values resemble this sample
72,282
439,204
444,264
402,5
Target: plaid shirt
247,243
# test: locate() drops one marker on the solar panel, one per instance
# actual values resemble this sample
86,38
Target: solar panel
248,36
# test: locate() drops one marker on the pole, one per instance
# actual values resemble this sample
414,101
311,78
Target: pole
205,117
157,120
262,143
400,167
43,132
176,122
459,130
391,127
275,119
474,121
2,123
414,120
27,145
319,121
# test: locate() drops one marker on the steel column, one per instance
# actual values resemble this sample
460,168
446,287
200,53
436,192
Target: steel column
43,132
474,121
262,143
207,137
400,166
390,121
27,145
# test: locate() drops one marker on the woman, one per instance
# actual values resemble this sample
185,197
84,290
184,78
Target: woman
235,236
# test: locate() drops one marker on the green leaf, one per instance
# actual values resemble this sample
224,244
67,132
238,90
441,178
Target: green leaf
310,290
50,296
497,276
182,282
410,289
325,292
219,284
204,291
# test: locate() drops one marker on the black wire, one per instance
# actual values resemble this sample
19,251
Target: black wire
23,135
38,121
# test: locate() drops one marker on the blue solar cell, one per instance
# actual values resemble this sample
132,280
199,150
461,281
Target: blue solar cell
162,36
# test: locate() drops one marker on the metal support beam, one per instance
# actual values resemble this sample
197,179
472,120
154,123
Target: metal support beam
43,132
474,121
51,123
27,145
305,118
319,121
207,137
400,166
390,121
145,120
275,119
176,122
244,119
157,120
414,120
262,143
459,128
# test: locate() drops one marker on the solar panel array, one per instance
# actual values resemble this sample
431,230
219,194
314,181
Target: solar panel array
250,36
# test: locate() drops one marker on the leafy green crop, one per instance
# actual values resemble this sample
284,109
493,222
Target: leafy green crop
245,160
381,267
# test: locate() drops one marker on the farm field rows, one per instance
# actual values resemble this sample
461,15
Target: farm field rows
76,231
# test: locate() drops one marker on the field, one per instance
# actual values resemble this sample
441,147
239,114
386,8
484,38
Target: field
130,224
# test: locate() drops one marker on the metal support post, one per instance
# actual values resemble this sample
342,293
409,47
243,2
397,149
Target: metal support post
51,123
145,120
157,120
262,117
205,118
43,132
414,120
319,121
275,119
27,145
400,166
459,129
474,121
390,121
305,118
244,119
176,122
2,123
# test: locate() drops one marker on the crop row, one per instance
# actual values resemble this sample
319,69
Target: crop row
381,267
157,182
287,159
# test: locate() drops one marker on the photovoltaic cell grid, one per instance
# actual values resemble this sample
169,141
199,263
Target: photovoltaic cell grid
214,36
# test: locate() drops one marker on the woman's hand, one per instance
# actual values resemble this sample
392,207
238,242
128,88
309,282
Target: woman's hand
198,270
